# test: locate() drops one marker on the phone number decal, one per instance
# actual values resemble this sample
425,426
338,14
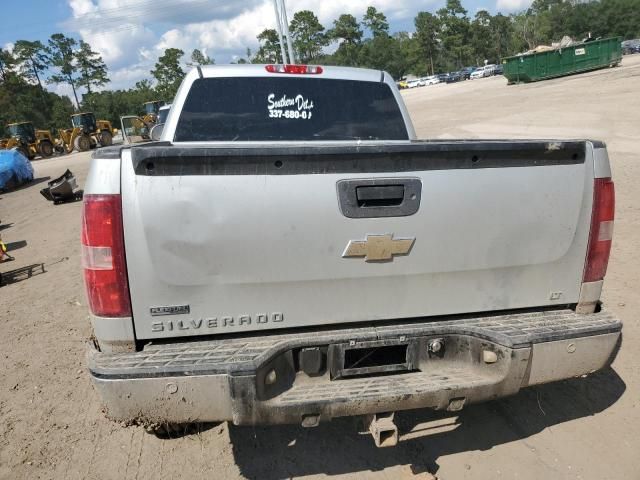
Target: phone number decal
295,114
292,107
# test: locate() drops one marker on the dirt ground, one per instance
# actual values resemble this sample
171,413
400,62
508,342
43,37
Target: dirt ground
51,424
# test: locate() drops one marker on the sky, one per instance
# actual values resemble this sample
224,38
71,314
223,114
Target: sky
131,34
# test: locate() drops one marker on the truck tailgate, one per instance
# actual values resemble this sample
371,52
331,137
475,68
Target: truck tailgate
222,240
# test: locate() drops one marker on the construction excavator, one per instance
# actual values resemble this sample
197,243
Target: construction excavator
151,110
86,133
29,141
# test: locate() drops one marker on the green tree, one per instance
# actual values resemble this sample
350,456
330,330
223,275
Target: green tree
7,63
59,112
346,30
112,104
308,36
23,101
454,34
408,50
616,17
168,73
383,53
427,37
376,22
269,50
93,71
501,32
32,56
62,57
518,42
145,88
199,58
481,38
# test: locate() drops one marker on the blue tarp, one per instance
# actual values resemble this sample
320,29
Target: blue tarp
15,169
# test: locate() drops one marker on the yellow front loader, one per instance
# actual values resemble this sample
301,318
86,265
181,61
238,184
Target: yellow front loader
151,110
86,133
29,141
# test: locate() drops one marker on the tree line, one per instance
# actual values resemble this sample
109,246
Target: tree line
446,40
450,38
30,65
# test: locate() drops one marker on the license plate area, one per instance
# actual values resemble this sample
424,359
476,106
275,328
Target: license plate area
372,358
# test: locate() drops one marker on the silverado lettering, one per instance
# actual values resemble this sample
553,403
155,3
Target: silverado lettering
214,322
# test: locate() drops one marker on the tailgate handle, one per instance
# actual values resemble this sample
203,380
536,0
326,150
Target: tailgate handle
380,196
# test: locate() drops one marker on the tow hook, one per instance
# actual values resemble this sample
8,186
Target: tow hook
382,428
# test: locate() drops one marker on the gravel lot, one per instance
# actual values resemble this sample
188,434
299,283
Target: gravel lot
51,424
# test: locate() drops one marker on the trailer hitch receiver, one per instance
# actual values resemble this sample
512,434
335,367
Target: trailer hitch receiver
383,429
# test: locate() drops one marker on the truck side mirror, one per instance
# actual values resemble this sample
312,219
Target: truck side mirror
156,132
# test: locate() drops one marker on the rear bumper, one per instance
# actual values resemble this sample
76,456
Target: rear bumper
260,380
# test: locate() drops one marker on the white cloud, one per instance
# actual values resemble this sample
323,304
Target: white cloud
508,6
131,34
234,34
81,7
122,46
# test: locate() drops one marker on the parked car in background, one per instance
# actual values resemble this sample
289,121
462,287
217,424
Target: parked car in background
629,47
499,70
466,72
454,77
402,84
482,72
477,73
442,77
431,80
414,83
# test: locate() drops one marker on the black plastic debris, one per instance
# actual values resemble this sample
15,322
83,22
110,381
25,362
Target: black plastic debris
63,189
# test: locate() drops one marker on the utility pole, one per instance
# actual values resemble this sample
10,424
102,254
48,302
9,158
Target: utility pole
292,55
282,25
283,50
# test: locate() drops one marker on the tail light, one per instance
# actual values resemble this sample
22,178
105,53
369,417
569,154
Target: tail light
103,260
601,232
298,69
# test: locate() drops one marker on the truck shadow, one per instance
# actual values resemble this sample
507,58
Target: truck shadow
174,431
336,448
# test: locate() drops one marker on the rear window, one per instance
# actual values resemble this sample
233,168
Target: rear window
280,108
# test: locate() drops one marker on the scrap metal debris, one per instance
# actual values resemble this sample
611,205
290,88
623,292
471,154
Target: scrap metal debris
63,189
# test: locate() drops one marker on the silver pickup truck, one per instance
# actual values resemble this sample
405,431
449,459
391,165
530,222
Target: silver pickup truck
289,252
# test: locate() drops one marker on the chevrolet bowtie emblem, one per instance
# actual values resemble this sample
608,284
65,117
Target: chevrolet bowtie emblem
378,248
